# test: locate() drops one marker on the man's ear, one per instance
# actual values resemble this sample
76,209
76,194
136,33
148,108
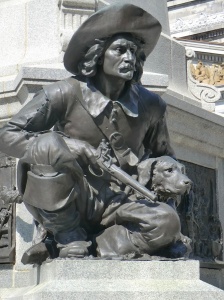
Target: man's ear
144,170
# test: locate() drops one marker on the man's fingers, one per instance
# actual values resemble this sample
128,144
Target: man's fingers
90,154
83,152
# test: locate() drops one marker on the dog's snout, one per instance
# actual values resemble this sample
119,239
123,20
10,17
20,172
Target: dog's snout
187,182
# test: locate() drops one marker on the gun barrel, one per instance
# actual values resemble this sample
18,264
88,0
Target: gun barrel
134,184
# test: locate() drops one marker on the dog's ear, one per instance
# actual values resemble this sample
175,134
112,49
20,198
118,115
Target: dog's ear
144,170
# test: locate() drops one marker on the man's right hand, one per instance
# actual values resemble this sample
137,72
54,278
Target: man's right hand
52,149
82,151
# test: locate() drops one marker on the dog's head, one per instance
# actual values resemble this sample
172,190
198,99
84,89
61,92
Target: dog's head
164,175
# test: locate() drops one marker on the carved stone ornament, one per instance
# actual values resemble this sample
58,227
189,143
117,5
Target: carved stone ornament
201,20
8,197
199,214
210,74
72,14
208,94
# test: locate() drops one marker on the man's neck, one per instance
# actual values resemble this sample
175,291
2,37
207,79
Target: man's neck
110,87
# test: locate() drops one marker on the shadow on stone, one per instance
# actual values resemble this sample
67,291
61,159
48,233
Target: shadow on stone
24,229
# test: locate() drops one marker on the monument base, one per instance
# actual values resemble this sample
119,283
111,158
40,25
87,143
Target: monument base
113,279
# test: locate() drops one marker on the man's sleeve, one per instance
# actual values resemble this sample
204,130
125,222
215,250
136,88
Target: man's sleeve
38,116
157,140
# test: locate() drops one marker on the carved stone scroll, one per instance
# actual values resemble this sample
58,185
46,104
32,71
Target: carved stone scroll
206,93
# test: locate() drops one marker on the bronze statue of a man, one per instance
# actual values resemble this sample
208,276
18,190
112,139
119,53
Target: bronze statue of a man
103,100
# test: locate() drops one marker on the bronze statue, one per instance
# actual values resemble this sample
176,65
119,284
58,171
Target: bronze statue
87,209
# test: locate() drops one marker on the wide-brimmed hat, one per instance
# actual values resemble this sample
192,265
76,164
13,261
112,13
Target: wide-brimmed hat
114,19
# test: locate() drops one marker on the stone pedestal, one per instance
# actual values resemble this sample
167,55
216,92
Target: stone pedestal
112,279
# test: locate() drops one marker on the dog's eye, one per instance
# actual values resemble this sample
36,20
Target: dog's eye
170,170
183,170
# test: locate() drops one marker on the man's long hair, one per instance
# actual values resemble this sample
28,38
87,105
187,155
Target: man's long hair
94,56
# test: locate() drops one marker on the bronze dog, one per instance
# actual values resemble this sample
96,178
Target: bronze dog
165,176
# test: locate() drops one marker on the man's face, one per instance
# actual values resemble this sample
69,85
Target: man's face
120,57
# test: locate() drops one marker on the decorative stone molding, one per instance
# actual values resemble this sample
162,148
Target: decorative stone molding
78,4
208,35
190,53
171,3
200,21
207,94
213,53
72,14
210,57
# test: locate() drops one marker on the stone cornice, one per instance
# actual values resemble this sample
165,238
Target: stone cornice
178,2
203,47
200,22
213,53
78,4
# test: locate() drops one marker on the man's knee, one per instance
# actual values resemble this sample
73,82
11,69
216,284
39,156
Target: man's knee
149,215
166,224
50,149
168,220
49,176
155,224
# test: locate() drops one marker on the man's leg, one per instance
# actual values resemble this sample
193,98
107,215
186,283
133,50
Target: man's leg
53,189
140,227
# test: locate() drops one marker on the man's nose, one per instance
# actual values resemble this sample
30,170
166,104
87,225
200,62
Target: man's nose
129,56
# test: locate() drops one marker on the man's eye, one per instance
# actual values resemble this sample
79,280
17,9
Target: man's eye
119,49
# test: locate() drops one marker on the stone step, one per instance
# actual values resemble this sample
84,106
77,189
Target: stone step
120,280
117,289
118,269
